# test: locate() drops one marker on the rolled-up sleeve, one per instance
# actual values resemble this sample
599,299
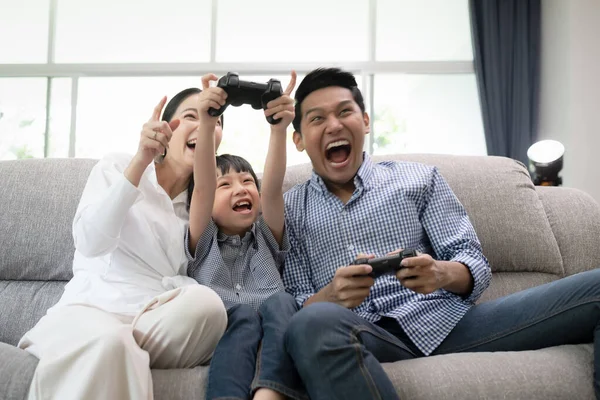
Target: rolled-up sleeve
278,252
452,235
203,247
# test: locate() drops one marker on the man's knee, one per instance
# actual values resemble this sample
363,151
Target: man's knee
313,325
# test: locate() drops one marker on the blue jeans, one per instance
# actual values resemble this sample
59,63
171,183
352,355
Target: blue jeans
251,354
338,353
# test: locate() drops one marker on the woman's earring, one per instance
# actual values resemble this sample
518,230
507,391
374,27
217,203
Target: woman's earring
159,158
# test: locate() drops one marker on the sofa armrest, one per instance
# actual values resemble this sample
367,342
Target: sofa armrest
574,217
16,372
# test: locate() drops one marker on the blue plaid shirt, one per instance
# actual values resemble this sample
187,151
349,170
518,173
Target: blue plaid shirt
395,205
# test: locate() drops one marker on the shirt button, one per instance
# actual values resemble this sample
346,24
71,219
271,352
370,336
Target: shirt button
238,286
351,247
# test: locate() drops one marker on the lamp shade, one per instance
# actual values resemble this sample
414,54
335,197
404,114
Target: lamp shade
545,162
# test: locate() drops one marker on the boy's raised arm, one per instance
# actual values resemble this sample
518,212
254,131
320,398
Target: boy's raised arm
274,171
205,175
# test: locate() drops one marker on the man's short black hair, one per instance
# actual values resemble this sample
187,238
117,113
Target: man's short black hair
321,78
226,162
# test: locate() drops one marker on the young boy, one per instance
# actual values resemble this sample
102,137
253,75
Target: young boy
237,245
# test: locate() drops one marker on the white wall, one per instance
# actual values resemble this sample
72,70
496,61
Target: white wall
570,88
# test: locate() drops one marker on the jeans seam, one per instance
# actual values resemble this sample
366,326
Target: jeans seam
227,398
257,383
510,332
361,364
367,329
257,365
279,388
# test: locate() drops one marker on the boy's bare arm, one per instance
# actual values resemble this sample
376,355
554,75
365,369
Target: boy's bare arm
205,175
274,171
272,183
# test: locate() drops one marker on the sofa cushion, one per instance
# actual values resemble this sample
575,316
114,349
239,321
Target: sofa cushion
16,371
23,304
502,204
575,220
562,372
180,384
37,207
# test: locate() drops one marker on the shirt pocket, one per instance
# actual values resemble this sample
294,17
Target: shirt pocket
264,271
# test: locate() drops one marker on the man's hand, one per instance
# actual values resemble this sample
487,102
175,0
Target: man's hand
423,274
349,287
283,107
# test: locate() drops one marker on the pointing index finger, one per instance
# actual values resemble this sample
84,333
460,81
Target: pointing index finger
158,109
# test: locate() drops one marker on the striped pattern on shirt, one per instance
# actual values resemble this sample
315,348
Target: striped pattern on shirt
395,205
241,270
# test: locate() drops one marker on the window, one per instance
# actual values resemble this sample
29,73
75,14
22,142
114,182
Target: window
283,31
22,117
112,61
115,31
24,31
424,30
60,117
427,114
112,111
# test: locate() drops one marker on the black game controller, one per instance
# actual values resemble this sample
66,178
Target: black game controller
246,92
386,265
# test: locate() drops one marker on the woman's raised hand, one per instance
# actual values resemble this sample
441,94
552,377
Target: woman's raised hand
155,136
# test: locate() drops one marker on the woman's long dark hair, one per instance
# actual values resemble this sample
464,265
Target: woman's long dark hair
168,113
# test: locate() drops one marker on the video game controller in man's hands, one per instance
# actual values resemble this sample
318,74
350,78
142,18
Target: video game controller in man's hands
387,264
246,92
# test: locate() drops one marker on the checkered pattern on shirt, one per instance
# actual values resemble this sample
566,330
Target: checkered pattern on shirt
395,205
241,270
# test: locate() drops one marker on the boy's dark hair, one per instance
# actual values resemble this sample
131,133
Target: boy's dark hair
321,78
225,162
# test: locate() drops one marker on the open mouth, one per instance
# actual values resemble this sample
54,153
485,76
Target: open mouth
242,206
338,151
191,144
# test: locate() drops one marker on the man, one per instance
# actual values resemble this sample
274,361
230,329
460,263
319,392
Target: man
349,322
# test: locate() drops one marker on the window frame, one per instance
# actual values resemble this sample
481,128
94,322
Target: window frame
366,69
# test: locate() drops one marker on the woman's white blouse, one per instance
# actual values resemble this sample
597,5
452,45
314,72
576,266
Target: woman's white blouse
129,242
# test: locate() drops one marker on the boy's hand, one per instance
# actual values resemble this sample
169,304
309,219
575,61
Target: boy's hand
283,107
210,97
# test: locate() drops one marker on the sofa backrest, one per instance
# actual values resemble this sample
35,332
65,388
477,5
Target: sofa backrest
40,196
37,204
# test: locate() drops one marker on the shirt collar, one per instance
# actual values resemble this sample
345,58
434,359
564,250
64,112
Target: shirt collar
362,179
250,235
153,178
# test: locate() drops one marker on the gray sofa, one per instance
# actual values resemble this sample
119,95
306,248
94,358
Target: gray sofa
531,235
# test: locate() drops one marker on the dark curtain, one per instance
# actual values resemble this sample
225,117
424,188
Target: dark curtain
506,48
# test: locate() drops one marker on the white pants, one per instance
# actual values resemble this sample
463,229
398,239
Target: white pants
87,353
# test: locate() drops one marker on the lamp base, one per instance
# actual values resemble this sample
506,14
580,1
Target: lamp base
542,181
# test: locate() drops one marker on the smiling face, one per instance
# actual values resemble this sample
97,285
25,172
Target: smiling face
237,202
333,130
183,142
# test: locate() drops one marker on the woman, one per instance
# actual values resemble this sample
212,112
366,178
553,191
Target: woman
128,308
